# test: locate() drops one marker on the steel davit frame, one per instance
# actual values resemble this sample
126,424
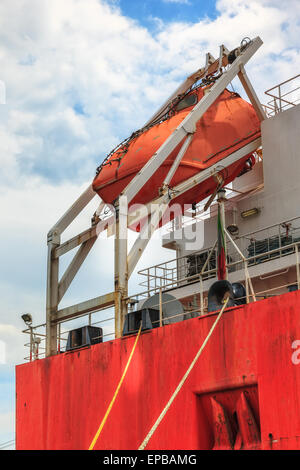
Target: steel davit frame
125,262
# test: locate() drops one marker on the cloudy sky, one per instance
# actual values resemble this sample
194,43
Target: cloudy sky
80,76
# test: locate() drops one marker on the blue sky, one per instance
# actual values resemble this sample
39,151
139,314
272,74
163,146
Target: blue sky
147,12
80,77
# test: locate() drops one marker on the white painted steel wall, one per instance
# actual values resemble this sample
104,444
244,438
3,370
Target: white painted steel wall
279,200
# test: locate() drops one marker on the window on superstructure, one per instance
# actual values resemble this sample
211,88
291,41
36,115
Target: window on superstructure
189,100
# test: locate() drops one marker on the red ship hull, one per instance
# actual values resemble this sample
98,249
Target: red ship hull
244,391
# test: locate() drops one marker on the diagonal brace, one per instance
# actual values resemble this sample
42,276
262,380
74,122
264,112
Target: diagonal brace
189,122
74,267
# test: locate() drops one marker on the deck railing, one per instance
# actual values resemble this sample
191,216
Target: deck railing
285,95
257,247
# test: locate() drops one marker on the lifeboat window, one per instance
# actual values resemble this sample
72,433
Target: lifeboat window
189,100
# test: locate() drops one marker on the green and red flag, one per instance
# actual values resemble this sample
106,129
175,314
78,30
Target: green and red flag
221,255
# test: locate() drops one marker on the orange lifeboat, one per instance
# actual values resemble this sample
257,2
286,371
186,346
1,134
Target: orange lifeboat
229,124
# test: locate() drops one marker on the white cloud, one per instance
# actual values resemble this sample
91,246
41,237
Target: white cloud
80,76
13,344
66,56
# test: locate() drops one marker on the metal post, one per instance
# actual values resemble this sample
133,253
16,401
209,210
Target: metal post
31,343
297,265
59,333
279,240
246,282
221,202
52,295
37,341
279,95
201,295
160,307
121,269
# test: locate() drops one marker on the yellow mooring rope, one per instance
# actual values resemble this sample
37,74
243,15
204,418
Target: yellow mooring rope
116,393
164,411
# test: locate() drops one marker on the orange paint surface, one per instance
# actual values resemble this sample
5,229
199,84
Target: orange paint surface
229,124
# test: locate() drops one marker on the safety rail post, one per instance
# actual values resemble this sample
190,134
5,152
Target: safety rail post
201,295
221,203
279,241
36,348
246,283
52,294
297,265
31,342
59,333
148,278
279,96
160,308
121,266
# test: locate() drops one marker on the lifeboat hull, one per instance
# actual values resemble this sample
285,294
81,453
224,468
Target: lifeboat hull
229,124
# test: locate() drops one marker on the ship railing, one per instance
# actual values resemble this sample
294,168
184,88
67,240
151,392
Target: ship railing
285,95
257,247
37,334
194,304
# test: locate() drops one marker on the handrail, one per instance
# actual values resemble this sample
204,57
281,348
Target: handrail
37,349
195,277
278,103
150,272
